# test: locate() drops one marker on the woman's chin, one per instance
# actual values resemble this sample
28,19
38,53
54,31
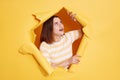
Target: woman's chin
62,33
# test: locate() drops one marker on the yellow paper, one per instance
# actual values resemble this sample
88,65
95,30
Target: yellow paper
100,58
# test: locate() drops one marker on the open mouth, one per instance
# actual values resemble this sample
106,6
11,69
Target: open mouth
61,29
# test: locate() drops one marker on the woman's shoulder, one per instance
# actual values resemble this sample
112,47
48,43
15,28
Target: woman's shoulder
44,45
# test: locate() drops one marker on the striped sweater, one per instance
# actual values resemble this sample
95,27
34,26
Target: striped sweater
60,51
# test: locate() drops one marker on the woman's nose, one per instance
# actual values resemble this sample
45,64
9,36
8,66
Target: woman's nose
61,25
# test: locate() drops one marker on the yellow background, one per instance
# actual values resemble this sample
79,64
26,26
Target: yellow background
101,60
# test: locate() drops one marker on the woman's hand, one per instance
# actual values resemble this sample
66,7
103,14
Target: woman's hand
72,16
75,59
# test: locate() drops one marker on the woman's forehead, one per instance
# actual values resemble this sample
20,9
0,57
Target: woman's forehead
56,19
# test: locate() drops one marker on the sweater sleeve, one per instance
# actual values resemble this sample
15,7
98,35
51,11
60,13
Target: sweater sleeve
45,51
73,35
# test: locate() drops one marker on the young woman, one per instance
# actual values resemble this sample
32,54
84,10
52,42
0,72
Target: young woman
56,45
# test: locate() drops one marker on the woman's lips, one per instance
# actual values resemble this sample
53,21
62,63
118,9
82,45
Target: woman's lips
61,29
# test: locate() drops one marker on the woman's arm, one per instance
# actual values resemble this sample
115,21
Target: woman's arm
73,60
76,21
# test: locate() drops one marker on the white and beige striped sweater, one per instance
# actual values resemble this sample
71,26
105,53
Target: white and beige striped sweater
60,51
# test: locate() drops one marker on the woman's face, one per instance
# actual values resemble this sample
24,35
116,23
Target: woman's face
58,27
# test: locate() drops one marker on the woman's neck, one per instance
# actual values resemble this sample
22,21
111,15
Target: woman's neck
57,38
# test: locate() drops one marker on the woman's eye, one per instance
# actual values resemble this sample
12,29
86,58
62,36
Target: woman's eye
56,23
